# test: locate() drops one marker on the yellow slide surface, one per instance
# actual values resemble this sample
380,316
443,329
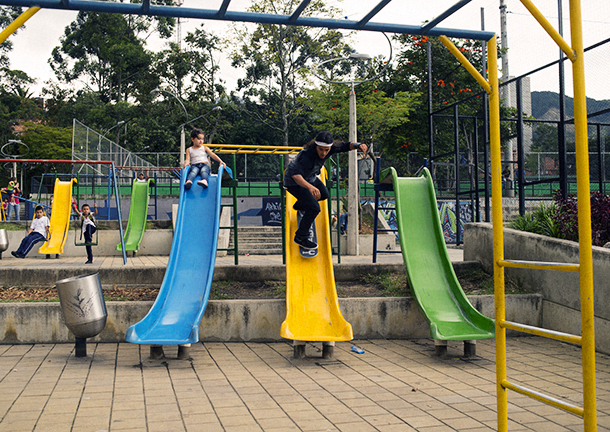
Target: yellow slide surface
60,218
312,306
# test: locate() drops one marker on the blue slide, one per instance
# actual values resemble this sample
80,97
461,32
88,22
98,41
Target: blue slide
175,316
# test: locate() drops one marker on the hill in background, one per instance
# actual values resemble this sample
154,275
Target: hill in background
545,106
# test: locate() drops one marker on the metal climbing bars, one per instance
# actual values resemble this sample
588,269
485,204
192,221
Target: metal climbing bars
585,267
254,149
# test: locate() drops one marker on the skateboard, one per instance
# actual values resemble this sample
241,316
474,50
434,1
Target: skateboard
308,253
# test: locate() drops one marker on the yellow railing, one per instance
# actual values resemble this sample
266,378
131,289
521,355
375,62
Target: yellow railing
585,267
19,21
254,149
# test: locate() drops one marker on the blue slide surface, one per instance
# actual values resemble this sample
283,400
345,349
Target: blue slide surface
177,311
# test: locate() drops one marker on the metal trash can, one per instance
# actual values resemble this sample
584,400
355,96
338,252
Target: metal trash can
83,307
3,241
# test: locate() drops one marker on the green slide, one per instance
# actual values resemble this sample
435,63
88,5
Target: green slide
432,280
138,211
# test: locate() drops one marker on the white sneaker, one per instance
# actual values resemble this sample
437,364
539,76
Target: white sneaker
203,183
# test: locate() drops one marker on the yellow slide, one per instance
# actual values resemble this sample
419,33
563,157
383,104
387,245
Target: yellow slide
60,218
312,306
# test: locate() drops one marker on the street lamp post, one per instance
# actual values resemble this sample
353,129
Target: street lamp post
182,139
5,151
353,196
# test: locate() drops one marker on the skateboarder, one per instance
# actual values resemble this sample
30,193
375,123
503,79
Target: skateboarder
300,179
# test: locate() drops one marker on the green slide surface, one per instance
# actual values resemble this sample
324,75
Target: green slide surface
138,210
432,280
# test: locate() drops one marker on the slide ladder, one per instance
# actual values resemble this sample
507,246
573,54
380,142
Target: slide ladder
179,307
60,218
138,211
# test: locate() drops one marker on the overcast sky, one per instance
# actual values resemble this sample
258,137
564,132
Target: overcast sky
529,45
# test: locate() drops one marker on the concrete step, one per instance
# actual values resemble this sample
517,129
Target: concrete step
259,229
258,237
268,251
258,240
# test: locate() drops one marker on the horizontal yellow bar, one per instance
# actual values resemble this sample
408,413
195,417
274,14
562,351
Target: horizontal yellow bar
255,147
544,398
552,334
548,27
540,265
464,61
225,151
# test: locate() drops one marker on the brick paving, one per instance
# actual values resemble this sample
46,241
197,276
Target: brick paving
396,385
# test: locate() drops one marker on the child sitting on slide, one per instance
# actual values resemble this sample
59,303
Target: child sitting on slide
39,231
197,158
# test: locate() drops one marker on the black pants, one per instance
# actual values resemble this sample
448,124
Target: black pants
89,231
308,204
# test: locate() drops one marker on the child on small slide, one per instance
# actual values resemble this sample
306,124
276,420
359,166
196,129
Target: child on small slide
39,231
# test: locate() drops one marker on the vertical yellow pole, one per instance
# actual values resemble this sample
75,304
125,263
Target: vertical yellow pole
12,27
584,220
498,233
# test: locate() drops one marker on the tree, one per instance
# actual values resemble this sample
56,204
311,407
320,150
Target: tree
204,68
377,114
278,60
103,51
451,83
7,16
45,142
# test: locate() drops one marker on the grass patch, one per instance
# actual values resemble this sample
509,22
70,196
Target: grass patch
391,284
216,291
477,282
12,226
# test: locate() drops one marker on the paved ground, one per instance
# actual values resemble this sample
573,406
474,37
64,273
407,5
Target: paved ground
396,385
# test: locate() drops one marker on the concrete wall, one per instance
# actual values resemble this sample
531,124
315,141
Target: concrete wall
249,320
154,242
560,290
159,242
148,276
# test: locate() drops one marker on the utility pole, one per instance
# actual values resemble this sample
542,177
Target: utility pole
508,154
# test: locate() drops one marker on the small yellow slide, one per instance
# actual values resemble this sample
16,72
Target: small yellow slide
60,218
312,306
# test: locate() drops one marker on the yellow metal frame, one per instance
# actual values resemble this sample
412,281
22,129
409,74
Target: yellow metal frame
21,19
585,267
253,149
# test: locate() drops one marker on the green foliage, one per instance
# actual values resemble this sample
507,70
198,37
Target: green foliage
542,220
377,114
103,50
392,284
278,61
10,226
450,83
48,142
7,16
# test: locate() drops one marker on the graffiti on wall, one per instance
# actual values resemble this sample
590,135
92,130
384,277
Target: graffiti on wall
271,211
446,210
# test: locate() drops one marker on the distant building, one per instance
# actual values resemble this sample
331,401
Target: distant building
508,94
